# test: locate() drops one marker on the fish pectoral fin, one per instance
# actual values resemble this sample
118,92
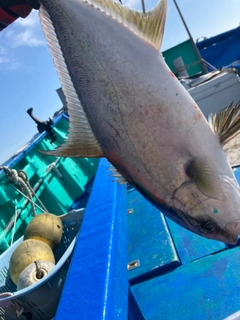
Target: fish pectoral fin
205,177
226,123
149,26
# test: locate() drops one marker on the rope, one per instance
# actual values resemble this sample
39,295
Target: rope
209,65
187,66
22,174
5,294
39,274
13,176
28,199
15,221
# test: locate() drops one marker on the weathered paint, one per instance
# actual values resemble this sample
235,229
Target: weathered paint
149,240
96,286
208,288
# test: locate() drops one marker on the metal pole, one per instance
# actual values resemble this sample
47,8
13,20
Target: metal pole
143,7
191,38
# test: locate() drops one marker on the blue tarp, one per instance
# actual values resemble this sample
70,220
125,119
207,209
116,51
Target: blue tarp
221,50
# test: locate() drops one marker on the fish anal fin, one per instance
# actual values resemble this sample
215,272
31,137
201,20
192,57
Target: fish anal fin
81,140
73,152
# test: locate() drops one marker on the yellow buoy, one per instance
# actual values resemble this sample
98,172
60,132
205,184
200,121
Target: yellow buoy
26,253
45,227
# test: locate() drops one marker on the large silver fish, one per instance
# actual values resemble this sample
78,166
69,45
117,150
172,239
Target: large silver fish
126,105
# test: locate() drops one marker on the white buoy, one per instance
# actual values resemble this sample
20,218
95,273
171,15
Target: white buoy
34,273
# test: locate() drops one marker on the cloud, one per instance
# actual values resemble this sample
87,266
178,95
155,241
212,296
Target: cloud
25,32
4,56
31,21
8,62
26,37
12,65
22,33
3,59
3,51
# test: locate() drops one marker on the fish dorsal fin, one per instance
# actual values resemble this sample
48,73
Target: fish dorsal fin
226,123
149,26
81,141
205,177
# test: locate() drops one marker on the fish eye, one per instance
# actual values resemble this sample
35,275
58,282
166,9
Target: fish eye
209,226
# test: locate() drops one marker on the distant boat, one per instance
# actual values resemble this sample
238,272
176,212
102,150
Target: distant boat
221,86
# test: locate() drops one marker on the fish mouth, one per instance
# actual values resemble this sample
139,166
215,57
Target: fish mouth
233,231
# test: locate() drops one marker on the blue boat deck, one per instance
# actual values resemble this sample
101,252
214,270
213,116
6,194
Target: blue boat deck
130,262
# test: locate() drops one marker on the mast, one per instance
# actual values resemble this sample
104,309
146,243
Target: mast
191,38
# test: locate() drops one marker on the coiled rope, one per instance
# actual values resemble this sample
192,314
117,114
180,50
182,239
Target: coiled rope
20,179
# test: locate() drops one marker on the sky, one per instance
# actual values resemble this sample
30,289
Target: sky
28,78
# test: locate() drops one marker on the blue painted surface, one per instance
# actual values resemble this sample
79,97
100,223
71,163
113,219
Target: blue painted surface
205,289
134,311
191,246
82,200
149,240
237,173
96,286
